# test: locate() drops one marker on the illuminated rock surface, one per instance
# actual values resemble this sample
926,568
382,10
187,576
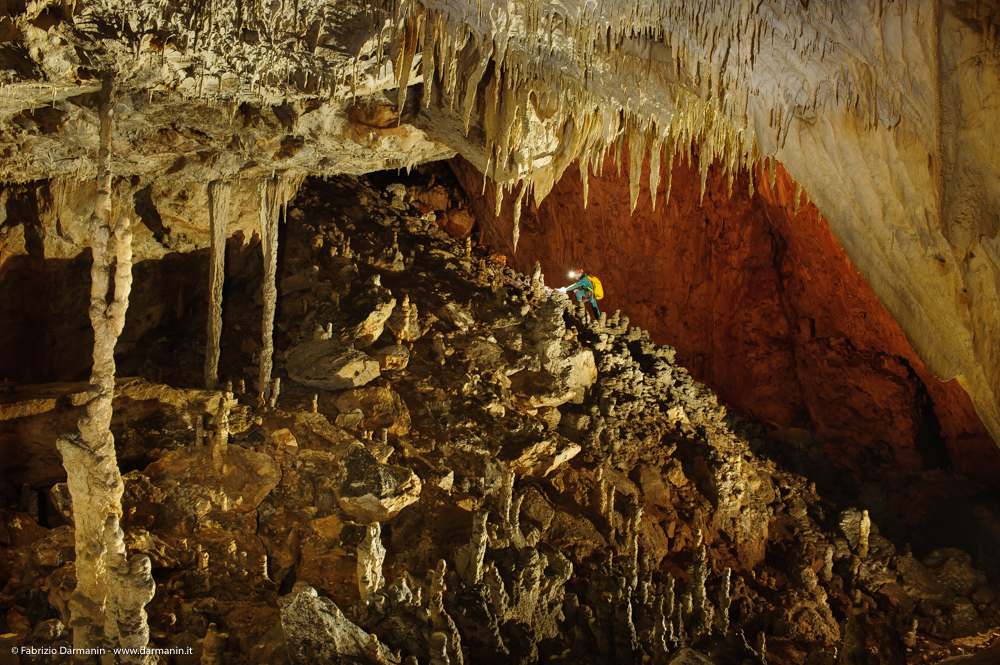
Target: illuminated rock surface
637,517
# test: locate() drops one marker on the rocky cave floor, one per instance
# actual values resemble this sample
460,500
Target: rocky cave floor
462,467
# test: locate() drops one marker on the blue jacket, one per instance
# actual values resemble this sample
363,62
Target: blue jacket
584,283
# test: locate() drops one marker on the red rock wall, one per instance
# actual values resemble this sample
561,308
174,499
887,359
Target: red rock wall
761,303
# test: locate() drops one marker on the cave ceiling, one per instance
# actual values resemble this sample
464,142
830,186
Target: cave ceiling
885,113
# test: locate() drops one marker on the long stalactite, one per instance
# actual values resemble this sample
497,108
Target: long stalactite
219,193
273,195
267,198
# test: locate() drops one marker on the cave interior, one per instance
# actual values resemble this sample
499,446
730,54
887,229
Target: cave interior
289,372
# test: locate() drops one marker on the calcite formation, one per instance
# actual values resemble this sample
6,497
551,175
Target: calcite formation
436,515
219,195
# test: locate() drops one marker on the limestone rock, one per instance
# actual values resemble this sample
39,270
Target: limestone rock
918,581
457,316
404,322
579,372
542,389
391,358
541,458
330,365
191,485
146,415
316,630
380,407
366,314
690,657
374,492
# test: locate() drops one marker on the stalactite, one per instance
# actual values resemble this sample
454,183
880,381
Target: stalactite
267,201
273,194
654,170
219,195
637,152
93,477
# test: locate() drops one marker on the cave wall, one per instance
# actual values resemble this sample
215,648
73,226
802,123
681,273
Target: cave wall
761,302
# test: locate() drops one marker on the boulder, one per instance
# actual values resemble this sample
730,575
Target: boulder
285,442
316,630
541,389
919,582
484,355
393,357
457,221
805,614
457,316
690,657
654,489
374,492
379,407
329,364
185,486
578,371
367,314
540,458
953,568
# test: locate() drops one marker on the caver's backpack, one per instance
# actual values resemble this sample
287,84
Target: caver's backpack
598,287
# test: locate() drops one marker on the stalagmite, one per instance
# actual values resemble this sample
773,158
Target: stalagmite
275,391
661,630
213,647
701,610
441,621
219,195
537,282
220,443
371,554
130,588
864,534
671,616
93,477
725,600
469,561
826,572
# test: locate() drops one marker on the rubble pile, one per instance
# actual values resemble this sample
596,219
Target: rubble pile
454,465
